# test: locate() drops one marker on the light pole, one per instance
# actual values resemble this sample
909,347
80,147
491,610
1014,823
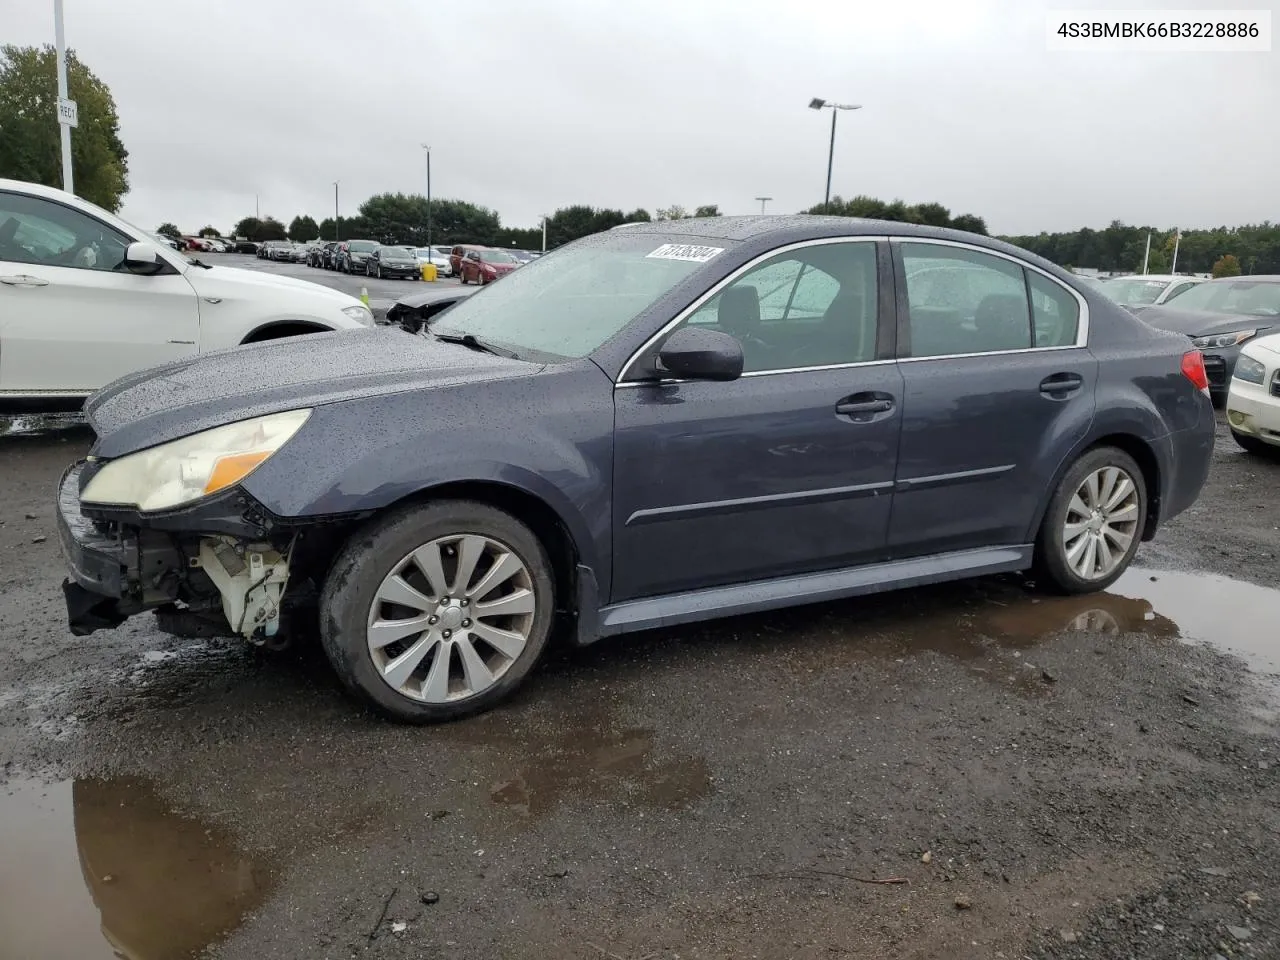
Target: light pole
66,120
337,235
763,201
427,147
544,233
819,104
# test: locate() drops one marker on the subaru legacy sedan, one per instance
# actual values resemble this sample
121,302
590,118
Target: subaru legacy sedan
646,427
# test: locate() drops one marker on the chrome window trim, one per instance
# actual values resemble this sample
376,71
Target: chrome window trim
766,373
1082,329
724,282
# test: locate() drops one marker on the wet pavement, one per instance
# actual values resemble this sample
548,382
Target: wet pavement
1093,776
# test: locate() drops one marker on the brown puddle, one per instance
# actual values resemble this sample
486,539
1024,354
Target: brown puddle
103,869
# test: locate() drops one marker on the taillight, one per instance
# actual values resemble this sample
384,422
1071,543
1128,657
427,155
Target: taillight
1193,369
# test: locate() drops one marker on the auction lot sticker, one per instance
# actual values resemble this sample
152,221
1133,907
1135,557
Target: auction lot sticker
685,251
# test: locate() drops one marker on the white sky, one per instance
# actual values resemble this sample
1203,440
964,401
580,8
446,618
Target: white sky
533,104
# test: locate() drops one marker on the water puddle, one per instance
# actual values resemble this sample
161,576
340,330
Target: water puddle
103,869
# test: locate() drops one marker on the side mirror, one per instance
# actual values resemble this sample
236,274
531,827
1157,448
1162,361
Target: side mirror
142,258
694,354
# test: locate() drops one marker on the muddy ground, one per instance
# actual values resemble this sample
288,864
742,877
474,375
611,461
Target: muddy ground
973,770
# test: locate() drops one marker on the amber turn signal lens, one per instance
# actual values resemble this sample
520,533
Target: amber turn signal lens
233,469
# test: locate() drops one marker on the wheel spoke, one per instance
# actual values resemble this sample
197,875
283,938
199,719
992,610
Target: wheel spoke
398,670
479,677
1118,495
521,601
506,642
436,687
1072,531
1106,484
427,558
395,589
470,550
384,632
1091,490
503,569
1126,514
1075,553
1121,539
1078,507
1090,561
1105,562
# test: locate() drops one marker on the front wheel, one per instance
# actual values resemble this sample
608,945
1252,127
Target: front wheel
438,611
1094,522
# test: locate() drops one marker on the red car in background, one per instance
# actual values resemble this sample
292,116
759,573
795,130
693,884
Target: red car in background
486,265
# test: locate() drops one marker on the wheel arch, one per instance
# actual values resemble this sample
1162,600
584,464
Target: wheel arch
551,528
276,329
1143,454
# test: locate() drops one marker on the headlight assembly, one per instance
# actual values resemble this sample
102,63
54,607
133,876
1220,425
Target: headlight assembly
181,471
1249,370
1220,340
359,313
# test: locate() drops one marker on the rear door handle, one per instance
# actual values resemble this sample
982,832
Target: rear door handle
1060,386
23,280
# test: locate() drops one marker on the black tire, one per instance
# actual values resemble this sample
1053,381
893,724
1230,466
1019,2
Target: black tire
1259,448
371,554
464,278
1051,564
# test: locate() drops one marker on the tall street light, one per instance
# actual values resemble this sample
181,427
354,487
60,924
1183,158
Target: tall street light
819,104
427,147
763,201
336,222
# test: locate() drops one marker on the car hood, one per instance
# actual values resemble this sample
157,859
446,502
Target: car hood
177,399
1198,323
217,280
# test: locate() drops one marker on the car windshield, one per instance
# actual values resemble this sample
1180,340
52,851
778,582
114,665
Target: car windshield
443,251
362,246
1257,298
1134,291
396,253
565,306
496,256
425,252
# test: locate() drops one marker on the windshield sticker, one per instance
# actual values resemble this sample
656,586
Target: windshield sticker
685,251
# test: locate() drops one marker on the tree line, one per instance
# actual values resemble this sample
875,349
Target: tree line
1119,247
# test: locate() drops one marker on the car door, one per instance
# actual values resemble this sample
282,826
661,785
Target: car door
71,317
471,266
997,385
787,469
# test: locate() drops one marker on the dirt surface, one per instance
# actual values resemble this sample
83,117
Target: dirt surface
973,770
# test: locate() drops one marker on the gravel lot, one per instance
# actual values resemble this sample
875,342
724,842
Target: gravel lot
967,771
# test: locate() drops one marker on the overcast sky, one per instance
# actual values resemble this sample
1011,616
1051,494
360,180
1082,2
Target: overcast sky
644,103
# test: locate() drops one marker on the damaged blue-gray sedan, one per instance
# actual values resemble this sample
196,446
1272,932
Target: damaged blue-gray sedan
651,426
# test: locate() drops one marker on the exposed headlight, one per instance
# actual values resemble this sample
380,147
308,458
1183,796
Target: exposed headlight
184,470
359,313
1249,370
1220,340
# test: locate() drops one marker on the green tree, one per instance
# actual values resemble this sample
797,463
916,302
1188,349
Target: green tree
673,212
208,232
710,210
1226,266
30,144
268,228
969,223
639,215
570,223
402,218
521,238
303,228
248,228
169,230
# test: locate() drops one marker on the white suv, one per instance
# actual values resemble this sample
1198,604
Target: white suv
1253,403
86,298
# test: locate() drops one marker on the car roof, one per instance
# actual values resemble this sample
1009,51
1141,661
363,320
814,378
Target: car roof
1167,277
1257,278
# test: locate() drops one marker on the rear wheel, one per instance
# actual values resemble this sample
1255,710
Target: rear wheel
1255,446
1094,523
438,611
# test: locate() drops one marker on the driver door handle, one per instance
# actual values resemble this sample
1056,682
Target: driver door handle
23,280
864,407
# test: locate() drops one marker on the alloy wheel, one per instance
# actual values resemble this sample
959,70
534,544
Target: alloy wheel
451,618
1102,520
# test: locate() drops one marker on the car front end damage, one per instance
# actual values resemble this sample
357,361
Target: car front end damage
228,580
171,529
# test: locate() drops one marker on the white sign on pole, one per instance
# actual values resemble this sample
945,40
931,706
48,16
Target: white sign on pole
68,112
